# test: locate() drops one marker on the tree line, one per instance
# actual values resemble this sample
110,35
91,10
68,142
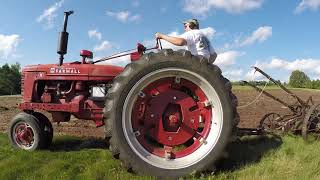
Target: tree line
10,79
297,79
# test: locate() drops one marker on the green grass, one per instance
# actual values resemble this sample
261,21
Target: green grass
250,158
68,158
272,158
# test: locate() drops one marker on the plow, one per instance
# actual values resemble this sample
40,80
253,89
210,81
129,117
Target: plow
303,118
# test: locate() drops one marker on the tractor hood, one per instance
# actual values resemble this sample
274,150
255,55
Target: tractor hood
75,69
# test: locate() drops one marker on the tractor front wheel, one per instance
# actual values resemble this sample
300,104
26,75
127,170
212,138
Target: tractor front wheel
25,132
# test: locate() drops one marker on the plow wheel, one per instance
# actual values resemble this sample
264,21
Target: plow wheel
171,114
311,121
271,123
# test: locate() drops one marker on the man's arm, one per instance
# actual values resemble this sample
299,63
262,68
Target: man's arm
174,40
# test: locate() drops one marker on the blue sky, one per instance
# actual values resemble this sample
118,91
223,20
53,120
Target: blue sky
278,36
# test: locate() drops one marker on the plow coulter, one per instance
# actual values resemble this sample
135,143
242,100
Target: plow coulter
303,118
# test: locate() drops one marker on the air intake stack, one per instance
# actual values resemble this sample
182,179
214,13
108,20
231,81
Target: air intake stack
63,38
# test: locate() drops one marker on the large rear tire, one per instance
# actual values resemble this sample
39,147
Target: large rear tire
170,114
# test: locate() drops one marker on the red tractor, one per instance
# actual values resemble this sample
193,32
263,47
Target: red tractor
167,113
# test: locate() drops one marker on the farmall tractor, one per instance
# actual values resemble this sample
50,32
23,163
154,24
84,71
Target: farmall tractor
167,113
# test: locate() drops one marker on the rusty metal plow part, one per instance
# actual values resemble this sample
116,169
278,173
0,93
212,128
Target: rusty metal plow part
257,97
311,121
304,117
271,122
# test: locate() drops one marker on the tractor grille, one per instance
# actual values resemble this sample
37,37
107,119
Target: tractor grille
22,83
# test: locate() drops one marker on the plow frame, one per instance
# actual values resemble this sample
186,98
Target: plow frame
304,114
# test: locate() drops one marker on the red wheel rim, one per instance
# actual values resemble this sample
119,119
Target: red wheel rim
171,117
24,135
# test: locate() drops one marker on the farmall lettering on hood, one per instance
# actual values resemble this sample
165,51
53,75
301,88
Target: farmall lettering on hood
62,70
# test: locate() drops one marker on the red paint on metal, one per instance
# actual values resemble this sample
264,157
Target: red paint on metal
46,88
171,118
24,135
86,53
67,72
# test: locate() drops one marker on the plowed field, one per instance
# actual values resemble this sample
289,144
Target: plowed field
250,115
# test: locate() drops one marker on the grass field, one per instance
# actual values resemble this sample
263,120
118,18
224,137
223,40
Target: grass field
251,158
68,158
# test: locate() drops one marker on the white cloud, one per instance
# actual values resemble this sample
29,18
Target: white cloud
298,64
253,75
227,58
209,32
95,34
233,74
105,45
8,45
309,66
124,16
203,7
49,14
135,18
259,35
307,4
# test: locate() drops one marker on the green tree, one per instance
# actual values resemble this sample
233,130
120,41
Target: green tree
10,79
299,79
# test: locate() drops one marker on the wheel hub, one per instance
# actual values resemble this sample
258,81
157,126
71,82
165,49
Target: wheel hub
171,104
172,118
24,135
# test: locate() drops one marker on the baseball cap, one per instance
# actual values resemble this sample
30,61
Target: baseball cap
194,21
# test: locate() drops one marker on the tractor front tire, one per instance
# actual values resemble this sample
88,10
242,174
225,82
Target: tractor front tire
170,114
46,128
25,132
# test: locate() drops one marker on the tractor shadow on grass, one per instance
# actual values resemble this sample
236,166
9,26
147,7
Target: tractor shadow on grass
240,153
247,150
77,144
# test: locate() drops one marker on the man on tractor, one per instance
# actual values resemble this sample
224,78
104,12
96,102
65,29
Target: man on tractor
197,43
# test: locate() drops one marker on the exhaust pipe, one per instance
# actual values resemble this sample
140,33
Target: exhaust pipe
63,38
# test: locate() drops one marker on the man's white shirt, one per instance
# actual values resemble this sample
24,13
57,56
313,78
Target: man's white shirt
198,43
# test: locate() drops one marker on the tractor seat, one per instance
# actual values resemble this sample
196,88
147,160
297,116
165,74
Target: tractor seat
86,54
